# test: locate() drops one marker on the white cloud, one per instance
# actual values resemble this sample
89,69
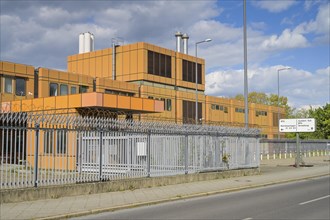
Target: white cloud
288,39
275,6
301,87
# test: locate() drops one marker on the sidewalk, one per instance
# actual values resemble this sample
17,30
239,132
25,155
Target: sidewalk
272,172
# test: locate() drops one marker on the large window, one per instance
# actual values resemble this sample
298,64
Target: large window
53,87
64,89
20,87
159,64
8,85
189,112
189,72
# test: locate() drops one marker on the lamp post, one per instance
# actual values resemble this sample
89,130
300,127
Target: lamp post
278,97
196,76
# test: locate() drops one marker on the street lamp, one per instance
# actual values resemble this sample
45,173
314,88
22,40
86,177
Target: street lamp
278,97
196,76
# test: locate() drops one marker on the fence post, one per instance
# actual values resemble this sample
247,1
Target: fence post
36,156
101,165
148,153
186,155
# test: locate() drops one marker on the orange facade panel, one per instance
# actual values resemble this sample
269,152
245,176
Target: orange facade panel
136,103
148,105
91,99
124,102
110,100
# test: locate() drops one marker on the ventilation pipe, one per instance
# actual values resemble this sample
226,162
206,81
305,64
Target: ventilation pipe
114,60
81,43
185,38
178,36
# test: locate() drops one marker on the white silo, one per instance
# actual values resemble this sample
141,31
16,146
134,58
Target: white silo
81,43
92,42
87,47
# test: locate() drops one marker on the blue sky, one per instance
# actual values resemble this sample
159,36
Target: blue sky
288,33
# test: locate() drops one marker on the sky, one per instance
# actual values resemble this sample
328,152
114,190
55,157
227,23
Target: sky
291,34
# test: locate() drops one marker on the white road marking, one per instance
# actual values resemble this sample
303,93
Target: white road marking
247,218
314,200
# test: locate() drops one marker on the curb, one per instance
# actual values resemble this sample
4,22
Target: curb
196,195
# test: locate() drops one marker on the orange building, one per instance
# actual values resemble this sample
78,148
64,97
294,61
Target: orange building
139,81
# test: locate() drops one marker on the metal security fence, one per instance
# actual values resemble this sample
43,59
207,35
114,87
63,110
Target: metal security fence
38,149
281,146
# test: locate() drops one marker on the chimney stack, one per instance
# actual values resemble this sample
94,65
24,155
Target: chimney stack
178,36
185,38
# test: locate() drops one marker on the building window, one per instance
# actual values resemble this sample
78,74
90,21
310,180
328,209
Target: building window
63,89
189,72
121,93
61,139
168,105
262,113
8,85
217,107
48,142
73,90
240,110
189,112
20,87
159,64
53,89
83,89
225,109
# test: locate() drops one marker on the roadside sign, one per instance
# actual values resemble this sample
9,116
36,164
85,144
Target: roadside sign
297,125
288,125
306,125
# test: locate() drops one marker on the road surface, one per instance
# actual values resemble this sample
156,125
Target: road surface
308,199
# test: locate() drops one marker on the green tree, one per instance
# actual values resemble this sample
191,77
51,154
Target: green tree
263,98
322,117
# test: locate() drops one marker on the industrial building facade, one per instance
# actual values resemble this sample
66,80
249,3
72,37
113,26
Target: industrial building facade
139,81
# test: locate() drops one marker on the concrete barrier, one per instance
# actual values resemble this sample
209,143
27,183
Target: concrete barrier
54,192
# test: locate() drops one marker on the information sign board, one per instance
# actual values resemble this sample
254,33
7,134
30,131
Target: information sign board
297,125
305,125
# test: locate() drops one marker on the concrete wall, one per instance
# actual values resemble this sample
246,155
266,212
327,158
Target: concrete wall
54,192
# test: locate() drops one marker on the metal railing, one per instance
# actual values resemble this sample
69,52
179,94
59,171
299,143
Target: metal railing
47,149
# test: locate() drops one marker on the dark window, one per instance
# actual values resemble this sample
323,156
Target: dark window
20,86
64,89
168,105
159,64
114,92
73,90
225,109
189,111
240,110
189,72
262,113
53,87
83,89
8,85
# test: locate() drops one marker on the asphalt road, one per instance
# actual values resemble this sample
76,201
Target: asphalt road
308,199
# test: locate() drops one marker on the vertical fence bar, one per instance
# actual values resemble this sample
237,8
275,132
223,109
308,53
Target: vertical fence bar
100,144
36,152
148,154
186,155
